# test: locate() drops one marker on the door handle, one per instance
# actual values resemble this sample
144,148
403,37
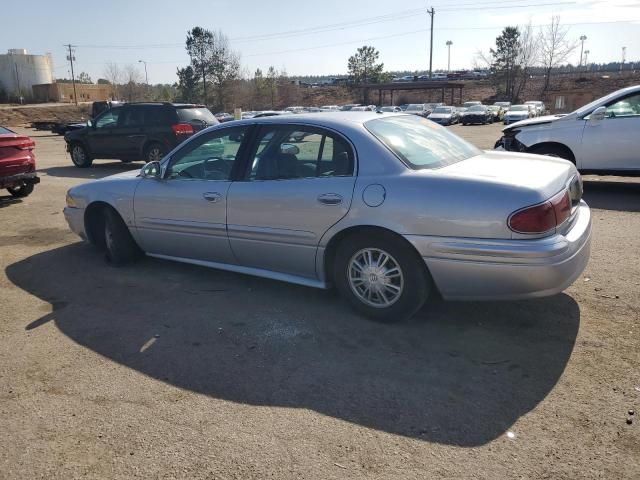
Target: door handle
330,198
212,197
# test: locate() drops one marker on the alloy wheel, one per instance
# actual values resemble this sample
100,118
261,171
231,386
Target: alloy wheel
375,277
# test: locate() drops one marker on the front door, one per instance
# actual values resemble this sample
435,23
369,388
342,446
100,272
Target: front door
613,143
299,184
100,136
183,214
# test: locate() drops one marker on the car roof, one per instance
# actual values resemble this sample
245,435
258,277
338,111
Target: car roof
322,119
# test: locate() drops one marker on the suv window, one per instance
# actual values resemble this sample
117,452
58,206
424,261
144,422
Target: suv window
108,119
196,115
131,117
159,115
289,152
210,157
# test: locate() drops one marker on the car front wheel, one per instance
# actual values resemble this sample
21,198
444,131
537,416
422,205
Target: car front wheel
120,246
22,190
381,277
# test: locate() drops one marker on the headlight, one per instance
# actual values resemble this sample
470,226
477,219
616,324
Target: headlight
71,202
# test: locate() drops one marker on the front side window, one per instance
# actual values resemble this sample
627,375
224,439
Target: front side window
209,157
109,119
420,143
290,152
627,107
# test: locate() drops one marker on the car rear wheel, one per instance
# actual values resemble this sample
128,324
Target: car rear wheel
80,157
381,277
22,190
120,246
154,153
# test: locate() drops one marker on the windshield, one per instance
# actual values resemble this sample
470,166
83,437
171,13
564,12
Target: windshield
477,108
387,109
493,108
414,106
518,108
469,104
195,115
419,142
442,110
502,104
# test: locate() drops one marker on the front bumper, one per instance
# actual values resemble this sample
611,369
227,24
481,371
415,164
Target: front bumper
485,269
30,178
75,219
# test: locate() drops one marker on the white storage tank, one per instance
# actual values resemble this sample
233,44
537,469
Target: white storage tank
19,71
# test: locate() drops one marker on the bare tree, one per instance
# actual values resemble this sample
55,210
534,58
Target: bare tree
224,67
555,47
113,74
528,57
131,77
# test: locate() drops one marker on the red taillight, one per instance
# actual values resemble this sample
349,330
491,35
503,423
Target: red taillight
542,218
182,129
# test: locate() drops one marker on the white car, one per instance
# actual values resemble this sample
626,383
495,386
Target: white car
517,113
601,137
539,106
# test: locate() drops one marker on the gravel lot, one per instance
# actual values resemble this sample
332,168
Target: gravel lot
163,370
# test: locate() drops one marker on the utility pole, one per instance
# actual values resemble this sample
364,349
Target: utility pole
449,43
582,39
146,77
624,57
431,13
586,61
71,58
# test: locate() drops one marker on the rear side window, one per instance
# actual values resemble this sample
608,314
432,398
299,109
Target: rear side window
196,115
155,116
420,143
290,152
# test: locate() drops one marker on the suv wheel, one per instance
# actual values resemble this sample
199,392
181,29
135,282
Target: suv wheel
154,153
80,157
381,277
22,190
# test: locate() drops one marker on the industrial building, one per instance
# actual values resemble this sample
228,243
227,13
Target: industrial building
64,92
19,71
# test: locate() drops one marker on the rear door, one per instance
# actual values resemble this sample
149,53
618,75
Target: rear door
128,136
299,183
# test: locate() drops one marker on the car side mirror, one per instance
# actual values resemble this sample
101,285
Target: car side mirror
288,149
151,170
598,114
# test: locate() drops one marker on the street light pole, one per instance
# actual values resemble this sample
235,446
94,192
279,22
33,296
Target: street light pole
431,13
146,77
586,56
449,43
582,39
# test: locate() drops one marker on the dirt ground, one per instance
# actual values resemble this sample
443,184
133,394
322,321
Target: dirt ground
164,370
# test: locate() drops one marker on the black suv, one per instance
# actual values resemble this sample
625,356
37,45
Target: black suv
136,131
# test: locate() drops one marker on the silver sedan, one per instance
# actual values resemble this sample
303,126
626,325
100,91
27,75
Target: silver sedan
392,209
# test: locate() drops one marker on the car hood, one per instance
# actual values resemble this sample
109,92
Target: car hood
540,120
538,174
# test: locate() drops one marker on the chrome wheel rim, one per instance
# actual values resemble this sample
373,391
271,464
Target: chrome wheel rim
78,154
375,277
155,155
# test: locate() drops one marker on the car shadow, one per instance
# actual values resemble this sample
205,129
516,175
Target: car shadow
6,200
458,374
612,195
97,170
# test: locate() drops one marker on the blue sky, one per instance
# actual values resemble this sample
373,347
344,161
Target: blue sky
322,34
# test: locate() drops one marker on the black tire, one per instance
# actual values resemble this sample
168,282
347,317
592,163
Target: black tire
154,152
415,281
120,246
22,190
80,156
552,151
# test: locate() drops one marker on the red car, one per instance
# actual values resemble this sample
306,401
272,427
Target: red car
17,163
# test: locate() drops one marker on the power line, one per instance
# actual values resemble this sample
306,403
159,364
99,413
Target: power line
343,25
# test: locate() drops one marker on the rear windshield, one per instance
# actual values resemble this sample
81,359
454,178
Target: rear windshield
196,115
419,142
517,108
4,131
442,110
477,108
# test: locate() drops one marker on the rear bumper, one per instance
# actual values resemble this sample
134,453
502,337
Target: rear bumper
75,219
30,178
478,269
